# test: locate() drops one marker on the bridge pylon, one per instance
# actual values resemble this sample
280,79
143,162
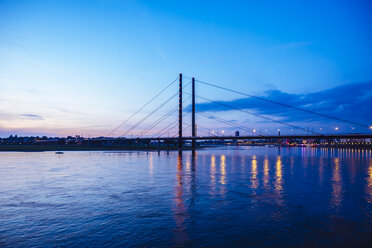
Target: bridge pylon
180,113
193,127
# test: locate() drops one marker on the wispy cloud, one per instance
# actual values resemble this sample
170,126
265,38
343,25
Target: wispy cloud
160,53
31,116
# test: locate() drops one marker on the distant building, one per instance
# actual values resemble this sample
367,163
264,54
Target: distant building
237,133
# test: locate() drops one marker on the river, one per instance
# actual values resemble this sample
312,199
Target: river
221,197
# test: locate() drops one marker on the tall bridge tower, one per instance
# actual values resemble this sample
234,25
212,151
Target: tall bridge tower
180,113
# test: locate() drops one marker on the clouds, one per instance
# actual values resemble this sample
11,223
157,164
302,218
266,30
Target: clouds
10,116
32,117
351,102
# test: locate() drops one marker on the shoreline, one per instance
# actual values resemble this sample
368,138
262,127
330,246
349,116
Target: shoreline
46,148
49,148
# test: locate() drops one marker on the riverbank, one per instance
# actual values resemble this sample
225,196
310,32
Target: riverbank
44,148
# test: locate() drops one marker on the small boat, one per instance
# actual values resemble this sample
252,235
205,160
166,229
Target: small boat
59,152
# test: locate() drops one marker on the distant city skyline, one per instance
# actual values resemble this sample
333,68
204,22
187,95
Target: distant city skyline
82,67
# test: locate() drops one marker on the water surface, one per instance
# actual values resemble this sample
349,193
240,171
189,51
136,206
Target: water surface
254,196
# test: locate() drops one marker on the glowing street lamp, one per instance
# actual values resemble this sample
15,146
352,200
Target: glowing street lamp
336,128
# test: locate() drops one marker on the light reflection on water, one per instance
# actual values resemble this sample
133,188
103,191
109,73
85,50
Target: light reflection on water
278,174
213,174
336,184
179,206
253,196
266,170
254,181
369,180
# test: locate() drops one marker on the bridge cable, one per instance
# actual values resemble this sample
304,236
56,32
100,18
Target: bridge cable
200,126
174,124
258,115
164,117
285,105
149,114
171,126
231,124
153,112
152,99
198,129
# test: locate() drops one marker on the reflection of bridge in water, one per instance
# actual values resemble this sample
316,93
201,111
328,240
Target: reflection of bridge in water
180,139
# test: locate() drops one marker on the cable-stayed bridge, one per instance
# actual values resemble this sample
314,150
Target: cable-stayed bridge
146,134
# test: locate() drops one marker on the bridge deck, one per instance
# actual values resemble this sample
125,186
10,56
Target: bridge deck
254,137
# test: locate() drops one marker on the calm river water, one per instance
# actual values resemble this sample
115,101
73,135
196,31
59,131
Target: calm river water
224,197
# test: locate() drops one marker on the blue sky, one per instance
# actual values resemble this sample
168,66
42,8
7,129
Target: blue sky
82,67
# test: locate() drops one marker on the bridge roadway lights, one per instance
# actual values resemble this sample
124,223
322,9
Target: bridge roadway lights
323,137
